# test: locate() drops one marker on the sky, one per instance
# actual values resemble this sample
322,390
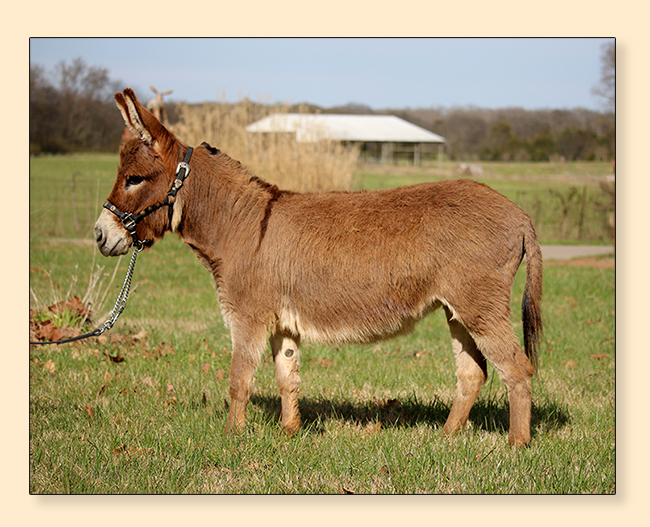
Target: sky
530,73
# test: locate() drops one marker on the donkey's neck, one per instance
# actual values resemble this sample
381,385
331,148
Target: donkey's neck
224,206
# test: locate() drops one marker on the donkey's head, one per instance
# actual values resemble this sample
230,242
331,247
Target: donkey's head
145,175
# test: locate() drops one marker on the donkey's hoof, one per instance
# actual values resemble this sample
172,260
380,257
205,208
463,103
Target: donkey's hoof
518,442
291,428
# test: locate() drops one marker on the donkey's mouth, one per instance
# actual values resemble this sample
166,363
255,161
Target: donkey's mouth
114,248
111,239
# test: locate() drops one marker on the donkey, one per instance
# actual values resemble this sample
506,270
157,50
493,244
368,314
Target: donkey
334,267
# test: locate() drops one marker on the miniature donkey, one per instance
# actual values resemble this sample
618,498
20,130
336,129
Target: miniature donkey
335,267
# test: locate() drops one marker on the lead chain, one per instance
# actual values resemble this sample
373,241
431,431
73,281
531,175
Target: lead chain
120,303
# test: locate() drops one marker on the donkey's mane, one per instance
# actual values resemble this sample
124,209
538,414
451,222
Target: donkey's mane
247,177
234,166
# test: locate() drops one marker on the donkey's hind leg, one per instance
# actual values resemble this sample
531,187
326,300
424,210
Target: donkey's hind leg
471,371
286,356
502,349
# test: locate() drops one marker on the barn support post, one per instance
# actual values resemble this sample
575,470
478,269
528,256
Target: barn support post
386,153
441,153
416,154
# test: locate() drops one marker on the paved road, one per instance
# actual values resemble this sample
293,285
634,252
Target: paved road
567,252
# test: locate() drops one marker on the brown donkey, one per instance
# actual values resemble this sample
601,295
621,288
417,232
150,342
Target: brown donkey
335,267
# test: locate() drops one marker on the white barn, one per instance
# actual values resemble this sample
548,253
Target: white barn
380,136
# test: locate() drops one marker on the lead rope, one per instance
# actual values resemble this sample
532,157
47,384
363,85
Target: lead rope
119,306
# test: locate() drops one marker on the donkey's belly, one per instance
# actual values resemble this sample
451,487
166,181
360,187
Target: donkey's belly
331,325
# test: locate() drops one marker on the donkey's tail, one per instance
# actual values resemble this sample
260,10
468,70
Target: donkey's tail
531,309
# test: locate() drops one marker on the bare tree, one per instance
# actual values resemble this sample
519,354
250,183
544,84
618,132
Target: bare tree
43,113
74,113
607,86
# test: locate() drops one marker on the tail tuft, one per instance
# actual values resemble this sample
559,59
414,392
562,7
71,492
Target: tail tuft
531,309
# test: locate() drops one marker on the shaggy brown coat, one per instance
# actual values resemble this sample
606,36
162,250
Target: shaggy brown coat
339,267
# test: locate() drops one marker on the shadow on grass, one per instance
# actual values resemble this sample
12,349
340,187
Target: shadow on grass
489,415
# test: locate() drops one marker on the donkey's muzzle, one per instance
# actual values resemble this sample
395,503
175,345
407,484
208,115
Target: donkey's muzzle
111,238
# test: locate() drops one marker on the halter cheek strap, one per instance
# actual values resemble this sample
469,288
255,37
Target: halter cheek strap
130,221
182,170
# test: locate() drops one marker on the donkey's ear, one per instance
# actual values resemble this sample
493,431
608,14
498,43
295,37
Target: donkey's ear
140,121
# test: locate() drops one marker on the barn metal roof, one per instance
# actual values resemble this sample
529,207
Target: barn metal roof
367,128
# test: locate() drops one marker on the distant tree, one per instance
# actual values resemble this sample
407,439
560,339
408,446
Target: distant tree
542,147
607,86
576,143
75,112
464,132
79,80
525,124
85,95
502,145
350,108
43,113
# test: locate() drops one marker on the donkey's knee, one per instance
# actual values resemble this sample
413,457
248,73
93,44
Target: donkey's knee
286,357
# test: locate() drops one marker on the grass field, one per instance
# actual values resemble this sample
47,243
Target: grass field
142,409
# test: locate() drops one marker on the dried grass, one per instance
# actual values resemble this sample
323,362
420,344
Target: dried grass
92,301
276,158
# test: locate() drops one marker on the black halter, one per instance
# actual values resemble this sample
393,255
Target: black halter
130,221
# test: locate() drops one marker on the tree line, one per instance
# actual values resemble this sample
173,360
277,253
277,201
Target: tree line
72,109
516,134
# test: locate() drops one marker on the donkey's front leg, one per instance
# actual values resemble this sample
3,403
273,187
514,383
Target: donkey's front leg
247,348
286,356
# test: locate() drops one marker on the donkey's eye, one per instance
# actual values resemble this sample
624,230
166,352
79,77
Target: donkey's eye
132,181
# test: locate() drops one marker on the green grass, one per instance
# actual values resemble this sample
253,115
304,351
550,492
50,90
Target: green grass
142,408
154,422
66,193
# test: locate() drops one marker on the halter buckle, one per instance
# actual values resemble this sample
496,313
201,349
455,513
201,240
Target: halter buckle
129,223
183,165
182,171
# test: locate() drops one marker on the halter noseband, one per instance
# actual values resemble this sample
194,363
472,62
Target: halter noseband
130,221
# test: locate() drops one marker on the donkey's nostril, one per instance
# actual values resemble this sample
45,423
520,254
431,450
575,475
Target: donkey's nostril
98,234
